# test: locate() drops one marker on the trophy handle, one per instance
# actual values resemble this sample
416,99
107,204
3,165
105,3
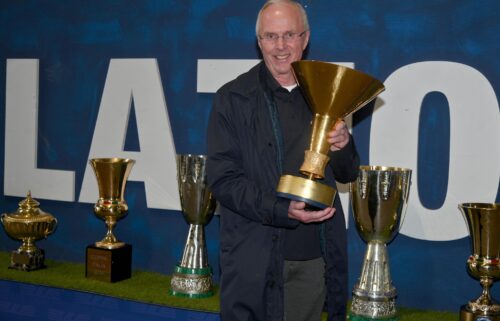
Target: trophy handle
51,228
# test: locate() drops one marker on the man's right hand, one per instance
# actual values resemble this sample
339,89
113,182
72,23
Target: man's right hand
297,211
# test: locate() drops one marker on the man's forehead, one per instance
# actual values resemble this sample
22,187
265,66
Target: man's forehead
276,19
280,10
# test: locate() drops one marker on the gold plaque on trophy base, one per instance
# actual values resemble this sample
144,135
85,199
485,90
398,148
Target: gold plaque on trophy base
27,261
306,190
108,265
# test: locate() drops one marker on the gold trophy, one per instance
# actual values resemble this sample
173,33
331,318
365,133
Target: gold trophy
28,224
332,92
379,198
483,222
192,277
110,260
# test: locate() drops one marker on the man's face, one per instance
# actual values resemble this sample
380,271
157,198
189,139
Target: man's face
282,20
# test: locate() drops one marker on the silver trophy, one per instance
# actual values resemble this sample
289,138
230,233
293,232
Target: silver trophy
378,198
193,275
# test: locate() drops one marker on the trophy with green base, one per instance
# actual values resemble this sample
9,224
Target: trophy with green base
192,277
379,198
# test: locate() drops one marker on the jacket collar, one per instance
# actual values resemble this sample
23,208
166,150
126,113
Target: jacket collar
249,82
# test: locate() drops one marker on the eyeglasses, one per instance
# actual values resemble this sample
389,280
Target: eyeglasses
287,36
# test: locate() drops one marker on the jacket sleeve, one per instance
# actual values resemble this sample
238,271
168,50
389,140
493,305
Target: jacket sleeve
345,162
230,183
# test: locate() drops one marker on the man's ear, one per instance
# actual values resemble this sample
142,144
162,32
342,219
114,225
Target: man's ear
306,40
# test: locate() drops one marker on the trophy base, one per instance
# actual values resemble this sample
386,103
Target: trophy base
354,317
192,282
365,308
467,315
306,190
108,265
24,261
109,245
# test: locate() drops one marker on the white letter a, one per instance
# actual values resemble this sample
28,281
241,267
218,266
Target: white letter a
137,79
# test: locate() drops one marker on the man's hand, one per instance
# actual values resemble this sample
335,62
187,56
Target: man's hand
297,211
338,137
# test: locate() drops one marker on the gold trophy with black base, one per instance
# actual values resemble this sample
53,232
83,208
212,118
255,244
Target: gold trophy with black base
110,260
379,198
192,277
483,222
28,224
332,92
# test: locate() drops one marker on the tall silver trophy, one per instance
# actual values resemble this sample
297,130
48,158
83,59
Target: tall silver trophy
379,198
192,277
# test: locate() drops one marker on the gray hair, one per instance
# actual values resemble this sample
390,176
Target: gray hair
301,9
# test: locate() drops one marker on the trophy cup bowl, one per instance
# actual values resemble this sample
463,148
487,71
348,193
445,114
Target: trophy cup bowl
483,223
378,198
28,224
110,259
192,277
111,175
332,92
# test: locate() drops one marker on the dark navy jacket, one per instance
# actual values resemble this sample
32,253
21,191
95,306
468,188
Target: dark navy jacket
243,175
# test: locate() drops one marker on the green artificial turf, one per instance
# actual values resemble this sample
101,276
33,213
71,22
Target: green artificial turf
149,287
143,286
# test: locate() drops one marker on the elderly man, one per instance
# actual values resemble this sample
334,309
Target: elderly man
279,260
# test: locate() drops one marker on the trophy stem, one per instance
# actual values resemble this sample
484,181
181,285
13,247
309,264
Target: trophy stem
195,252
374,296
483,306
28,246
485,298
109,241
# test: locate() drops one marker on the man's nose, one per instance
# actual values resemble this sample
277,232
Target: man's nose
280,42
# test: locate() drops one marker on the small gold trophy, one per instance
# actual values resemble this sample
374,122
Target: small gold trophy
193,275
483,222
379,198
28,224
110,260
332,92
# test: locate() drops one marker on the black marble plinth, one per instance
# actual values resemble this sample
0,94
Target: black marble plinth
108,265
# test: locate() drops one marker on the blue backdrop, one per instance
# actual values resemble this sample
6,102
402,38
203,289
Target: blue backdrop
74,42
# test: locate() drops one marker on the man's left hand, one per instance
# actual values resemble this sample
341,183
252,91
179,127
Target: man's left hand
338,137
